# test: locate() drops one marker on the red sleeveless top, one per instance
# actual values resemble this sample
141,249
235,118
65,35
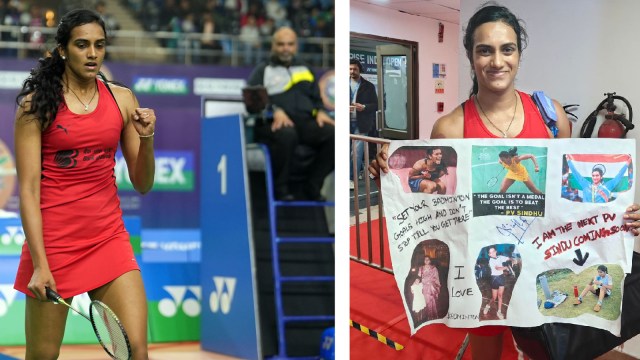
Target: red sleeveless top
84,236
534,126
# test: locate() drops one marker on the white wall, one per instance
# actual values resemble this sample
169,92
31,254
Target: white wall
375,20
578,50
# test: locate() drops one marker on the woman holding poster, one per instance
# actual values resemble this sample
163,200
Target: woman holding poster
494,40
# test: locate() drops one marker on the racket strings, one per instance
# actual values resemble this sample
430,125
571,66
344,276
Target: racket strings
109,331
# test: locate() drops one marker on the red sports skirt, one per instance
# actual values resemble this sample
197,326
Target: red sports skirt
86,244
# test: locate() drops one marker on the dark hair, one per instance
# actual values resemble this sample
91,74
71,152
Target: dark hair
599,168
356,62
508,154
603,269
492,12
45,81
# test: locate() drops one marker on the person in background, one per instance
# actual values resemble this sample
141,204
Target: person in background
494,39
363,106
298,117
110,21
208,42
68,127
250,40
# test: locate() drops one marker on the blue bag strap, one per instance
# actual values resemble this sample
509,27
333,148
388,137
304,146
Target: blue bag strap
547,110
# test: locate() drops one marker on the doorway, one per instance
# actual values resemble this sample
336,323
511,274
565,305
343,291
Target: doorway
391,65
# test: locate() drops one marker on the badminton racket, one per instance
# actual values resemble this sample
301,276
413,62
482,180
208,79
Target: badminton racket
106,325
494,180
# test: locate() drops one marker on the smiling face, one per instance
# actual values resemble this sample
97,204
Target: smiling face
436,156
596,177
85,51
495,57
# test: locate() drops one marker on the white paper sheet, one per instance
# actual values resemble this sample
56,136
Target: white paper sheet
533,242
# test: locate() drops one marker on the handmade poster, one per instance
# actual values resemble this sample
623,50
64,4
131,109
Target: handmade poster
510,232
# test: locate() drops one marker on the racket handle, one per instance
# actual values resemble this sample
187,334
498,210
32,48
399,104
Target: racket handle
52,295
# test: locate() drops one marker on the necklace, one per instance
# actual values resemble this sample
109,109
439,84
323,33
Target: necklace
86,106
504,133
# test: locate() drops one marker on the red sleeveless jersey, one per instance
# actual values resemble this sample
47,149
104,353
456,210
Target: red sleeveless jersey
84,236
534,126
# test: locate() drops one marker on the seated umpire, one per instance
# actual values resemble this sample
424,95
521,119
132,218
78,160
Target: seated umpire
298,117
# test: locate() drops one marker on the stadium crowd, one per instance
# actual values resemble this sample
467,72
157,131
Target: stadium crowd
252,21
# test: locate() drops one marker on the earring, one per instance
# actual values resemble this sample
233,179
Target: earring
64,57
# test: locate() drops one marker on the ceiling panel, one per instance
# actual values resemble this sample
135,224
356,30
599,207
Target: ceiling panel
443,10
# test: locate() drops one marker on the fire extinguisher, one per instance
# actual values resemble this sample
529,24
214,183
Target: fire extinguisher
615,125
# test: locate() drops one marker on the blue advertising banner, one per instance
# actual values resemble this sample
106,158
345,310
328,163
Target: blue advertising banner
174,300
171,246
12,303
230,322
